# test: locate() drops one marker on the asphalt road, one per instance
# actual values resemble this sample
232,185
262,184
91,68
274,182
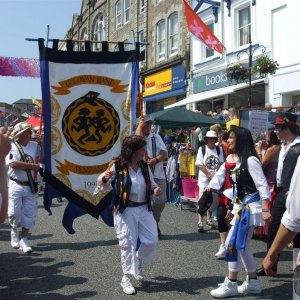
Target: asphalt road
86,265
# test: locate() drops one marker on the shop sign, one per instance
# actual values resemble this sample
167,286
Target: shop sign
164,81
211,81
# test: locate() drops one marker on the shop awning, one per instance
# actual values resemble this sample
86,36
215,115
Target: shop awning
213,94
166,95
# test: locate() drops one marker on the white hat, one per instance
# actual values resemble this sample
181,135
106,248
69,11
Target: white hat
20,128
211,134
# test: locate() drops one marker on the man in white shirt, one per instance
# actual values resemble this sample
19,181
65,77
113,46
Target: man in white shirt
156,154
287,131
290,223
23,163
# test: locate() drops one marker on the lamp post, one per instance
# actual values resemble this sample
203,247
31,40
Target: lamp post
250,51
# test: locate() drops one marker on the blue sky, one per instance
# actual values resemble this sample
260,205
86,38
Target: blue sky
20,19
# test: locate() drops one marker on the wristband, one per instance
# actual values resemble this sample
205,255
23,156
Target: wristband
265,210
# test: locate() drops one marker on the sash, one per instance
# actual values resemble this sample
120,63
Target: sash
33,184
153,151
241,227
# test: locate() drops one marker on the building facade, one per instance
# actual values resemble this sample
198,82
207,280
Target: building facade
270,26
159,27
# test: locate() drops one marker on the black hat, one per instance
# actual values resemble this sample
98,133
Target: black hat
288,120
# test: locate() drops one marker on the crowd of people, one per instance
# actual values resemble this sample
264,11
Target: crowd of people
248,185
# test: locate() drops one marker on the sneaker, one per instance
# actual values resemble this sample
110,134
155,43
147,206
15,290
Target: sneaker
250,286
210,223
15,242
221,252
140,275
24,245
127,286
226,289
200,227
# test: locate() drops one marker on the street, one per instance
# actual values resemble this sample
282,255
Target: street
86,265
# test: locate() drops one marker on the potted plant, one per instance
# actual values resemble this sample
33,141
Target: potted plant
265,65
238,73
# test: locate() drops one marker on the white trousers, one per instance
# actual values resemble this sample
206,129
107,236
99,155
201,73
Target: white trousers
22,206
245,256
134,223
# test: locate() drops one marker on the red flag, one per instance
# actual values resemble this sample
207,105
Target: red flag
200,30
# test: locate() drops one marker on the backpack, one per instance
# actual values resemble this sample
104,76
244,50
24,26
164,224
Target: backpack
203,149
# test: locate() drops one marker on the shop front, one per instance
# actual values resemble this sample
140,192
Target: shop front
215,89
164,88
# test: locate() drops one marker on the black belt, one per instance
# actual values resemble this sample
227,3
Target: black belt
135,204
27,183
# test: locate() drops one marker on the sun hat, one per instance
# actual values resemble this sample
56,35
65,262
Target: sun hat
20,128
211,134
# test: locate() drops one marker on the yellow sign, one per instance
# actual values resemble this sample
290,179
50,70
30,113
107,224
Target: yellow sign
158,83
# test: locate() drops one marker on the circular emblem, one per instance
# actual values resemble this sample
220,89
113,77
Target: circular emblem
55,110
91,125
56,141
212,162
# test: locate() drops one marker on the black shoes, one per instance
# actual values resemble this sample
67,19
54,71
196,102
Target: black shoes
261,271
159,233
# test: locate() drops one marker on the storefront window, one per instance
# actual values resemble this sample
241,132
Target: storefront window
240,97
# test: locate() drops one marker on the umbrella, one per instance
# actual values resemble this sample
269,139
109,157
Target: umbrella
33,121
181,117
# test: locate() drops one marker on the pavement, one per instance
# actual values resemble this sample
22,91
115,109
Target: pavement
86,265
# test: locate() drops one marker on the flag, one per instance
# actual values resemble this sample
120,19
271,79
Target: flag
200,30
89,107
36,102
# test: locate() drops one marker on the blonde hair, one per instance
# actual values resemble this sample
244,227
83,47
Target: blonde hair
217,128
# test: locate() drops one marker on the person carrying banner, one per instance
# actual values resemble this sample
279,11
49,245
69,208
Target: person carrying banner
5,146
23,163
155,155
250,194
132,182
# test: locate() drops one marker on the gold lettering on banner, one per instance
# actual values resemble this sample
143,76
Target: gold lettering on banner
67,167
65,85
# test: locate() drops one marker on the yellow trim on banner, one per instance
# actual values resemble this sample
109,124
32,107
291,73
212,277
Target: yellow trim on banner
65,85
68,166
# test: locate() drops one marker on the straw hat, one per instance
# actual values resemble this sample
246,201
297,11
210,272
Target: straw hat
20,128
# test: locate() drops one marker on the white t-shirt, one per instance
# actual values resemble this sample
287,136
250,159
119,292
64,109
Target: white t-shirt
31,151
159,172
211,161
291,217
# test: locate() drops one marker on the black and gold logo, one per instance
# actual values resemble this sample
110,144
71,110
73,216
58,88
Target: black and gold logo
91,125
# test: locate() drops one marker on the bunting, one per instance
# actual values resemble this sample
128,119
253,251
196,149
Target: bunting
89,107
19,67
